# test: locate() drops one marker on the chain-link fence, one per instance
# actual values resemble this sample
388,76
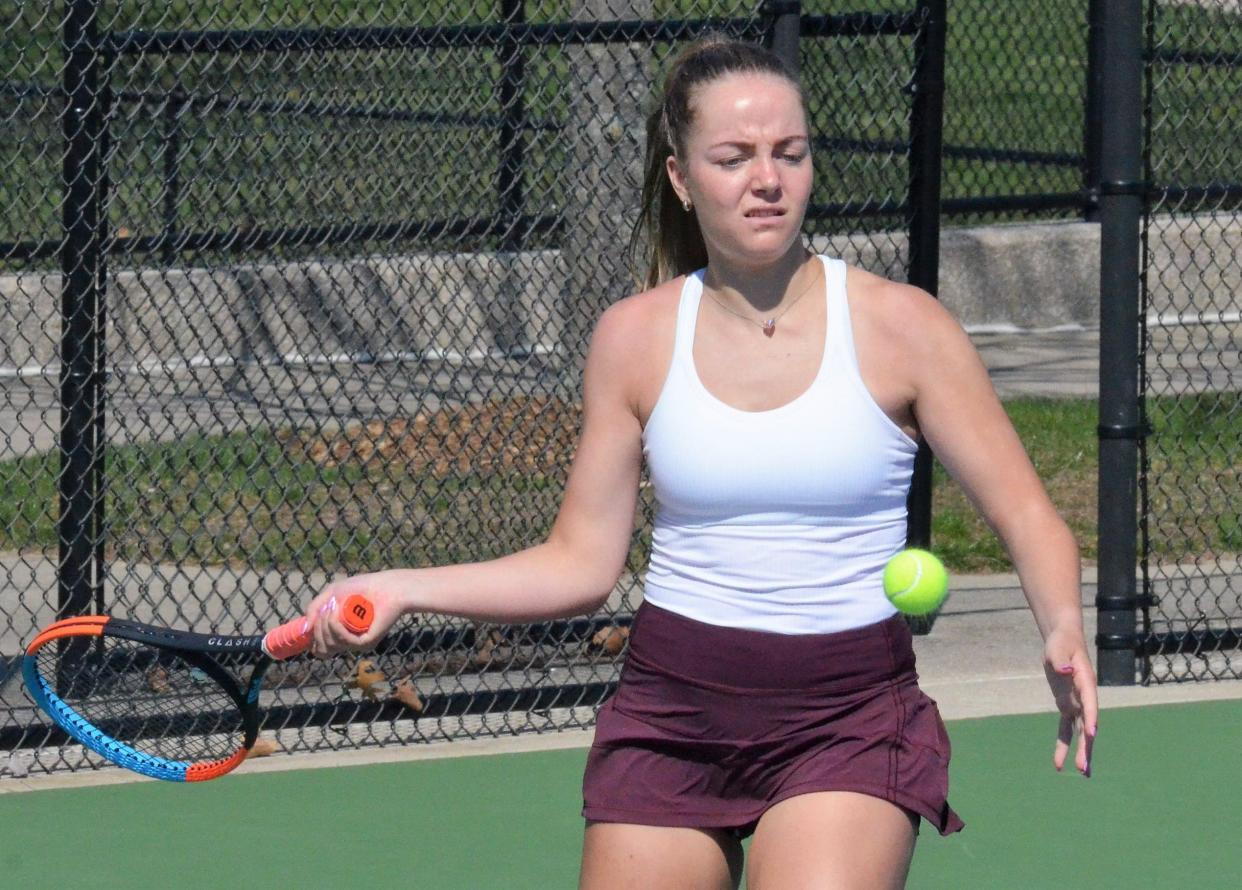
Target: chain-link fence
298,289
1191,531
1015,136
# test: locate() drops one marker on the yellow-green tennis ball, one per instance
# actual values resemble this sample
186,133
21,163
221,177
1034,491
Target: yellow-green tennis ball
915,582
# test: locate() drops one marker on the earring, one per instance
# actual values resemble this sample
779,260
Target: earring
685,202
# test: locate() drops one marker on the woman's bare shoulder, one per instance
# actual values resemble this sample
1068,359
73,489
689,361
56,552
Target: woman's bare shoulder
633,344
642,321
902,312
649,305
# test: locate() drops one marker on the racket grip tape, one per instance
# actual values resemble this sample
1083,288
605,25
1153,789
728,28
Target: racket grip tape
294,637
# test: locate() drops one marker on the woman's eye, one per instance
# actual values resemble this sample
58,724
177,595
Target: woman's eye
731,162
795,158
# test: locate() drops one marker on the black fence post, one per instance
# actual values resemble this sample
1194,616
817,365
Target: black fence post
79,526
512,127
173,106
926,143
510,194
1092,120
1121,209
784,30
103,239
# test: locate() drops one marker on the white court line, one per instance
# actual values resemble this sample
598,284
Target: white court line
277,763
292,359
1188,317
927,684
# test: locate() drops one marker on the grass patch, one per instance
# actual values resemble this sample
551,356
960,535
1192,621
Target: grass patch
1059,435
483,481
1194,480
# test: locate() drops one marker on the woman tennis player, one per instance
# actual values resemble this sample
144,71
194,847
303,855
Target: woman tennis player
777,397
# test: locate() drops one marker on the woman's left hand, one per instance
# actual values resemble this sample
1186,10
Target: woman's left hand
1072,680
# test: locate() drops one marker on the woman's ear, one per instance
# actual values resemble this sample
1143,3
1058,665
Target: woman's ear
677,177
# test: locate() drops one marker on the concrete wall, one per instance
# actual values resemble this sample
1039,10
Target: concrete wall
1026,276
301,311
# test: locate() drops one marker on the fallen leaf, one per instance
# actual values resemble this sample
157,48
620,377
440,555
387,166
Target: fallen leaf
157,679
262,748
610,639
366,677
408,695
484,653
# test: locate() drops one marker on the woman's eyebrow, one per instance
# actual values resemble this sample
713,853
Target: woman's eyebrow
742,143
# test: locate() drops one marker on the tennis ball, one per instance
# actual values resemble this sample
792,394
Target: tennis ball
915,582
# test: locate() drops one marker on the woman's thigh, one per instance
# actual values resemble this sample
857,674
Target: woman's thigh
833,840
648,857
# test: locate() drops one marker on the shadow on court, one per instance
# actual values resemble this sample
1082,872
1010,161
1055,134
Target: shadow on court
1158,811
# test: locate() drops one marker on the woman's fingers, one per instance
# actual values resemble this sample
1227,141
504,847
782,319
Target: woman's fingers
1075,692
1071,678
1068,728
323,617
1086,692
1061,682
1065,736
330,635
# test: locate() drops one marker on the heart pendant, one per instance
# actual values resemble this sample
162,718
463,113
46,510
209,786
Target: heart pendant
769,327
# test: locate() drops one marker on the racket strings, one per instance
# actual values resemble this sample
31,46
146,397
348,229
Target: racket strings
153,700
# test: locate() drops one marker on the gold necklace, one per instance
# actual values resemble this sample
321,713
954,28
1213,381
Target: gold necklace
768,325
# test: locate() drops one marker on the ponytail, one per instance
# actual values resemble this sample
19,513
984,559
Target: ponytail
666,234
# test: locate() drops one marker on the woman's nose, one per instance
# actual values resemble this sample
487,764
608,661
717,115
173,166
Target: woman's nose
765,179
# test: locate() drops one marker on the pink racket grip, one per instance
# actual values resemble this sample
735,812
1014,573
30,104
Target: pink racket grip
294,637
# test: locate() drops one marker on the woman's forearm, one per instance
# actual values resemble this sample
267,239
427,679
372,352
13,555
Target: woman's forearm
551,580
1047,560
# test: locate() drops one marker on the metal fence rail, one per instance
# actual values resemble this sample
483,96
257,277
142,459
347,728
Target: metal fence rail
297,289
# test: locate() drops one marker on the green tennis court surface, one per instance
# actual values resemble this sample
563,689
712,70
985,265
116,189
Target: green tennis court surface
1161,810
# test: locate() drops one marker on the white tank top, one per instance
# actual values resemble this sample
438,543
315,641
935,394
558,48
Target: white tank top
777,520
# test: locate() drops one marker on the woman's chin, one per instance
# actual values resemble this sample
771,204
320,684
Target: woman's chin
763,248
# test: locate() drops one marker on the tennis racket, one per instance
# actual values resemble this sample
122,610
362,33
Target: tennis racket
158,701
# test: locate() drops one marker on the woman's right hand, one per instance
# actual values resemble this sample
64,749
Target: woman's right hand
330,636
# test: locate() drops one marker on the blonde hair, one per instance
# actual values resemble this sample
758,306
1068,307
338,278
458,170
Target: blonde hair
667,234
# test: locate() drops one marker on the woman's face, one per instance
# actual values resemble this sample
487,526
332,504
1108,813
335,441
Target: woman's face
747,167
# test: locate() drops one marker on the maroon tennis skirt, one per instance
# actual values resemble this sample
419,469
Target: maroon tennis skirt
710,726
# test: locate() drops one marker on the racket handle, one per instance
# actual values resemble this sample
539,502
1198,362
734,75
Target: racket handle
294,637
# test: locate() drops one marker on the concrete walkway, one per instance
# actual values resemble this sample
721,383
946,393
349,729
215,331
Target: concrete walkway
984,655
1056,363
1066,363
